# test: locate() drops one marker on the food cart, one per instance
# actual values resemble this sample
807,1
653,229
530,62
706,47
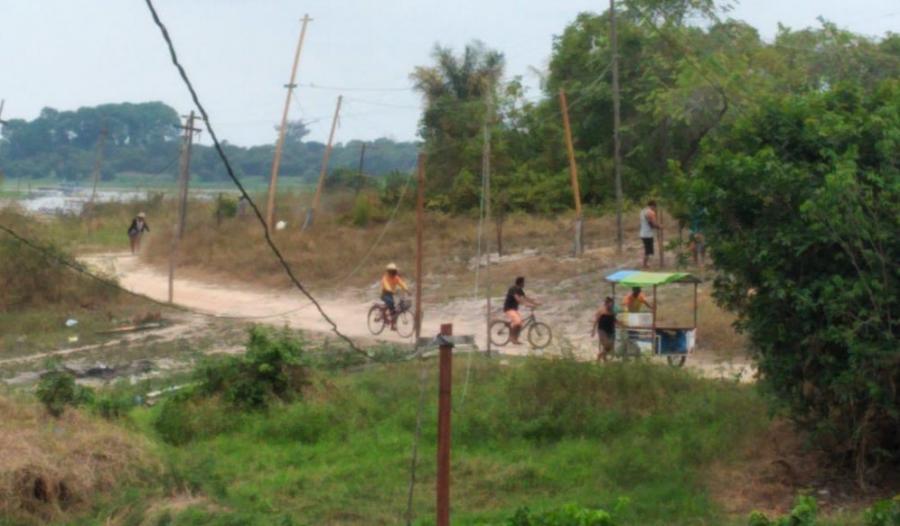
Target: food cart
639,332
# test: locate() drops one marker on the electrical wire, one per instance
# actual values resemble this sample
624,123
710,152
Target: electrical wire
212,134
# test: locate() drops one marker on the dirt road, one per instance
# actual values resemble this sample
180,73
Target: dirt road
348,309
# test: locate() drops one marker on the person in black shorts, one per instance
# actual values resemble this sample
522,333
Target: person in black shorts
604,327
515,296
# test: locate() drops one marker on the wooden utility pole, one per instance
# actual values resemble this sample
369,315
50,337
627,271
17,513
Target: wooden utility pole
617,145
359,172
662,256
276,162
420,227
2,103
444,409
98,165
310,215
183,180
573,171
486,188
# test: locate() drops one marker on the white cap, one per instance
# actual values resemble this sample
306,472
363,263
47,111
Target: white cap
391,266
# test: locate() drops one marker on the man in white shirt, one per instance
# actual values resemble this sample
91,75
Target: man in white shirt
649,226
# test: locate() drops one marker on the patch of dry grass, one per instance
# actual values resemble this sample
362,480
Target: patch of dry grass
54,468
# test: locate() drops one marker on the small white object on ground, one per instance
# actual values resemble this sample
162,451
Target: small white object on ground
71,322
73,339
280,225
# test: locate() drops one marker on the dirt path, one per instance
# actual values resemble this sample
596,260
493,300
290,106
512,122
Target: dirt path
349,308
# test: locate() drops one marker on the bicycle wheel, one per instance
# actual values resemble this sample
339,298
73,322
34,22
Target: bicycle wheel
406,324
376,320
676,360
499,333
539,335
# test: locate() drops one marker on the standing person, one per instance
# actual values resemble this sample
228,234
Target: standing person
136,231
649,226
604,327
635,300
390,283
515,296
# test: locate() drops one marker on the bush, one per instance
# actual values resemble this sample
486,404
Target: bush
803,514
569,515
884,513
362,211
802,204
57,389
270,369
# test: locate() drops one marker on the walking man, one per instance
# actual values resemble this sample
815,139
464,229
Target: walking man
136,231
649,226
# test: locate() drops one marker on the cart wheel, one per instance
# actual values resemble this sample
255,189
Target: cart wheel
676,361
376,320
405,324
539,335
499,333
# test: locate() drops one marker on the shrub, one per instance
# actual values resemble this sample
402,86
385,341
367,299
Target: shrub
569,515
270,369
803,514
57,389
802,204
884,513
362,211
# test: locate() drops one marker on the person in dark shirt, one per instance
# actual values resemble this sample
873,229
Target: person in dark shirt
515,297
604,327
136,230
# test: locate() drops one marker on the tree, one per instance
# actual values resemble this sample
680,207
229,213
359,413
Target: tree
802,199
454,88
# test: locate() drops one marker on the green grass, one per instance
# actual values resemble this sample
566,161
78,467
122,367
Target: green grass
539,433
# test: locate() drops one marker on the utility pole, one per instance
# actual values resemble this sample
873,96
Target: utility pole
98,164
276,162
310,215
2,103
617,146
573,171
420,227
359,175
444,407
486,188
183,180
662,256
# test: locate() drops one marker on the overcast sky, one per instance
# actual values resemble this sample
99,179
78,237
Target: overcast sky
66,54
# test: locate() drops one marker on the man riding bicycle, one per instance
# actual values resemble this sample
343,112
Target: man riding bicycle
390,282
514,297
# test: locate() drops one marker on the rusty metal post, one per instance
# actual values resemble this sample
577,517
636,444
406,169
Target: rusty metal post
444,408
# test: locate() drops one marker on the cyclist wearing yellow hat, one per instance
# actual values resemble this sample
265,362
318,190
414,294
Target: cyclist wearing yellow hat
390,282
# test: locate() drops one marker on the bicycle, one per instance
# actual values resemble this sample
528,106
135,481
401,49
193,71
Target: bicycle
538,333
379,317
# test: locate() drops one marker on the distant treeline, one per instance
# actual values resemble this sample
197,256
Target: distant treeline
145,138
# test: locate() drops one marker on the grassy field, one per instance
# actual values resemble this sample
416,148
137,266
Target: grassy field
637,439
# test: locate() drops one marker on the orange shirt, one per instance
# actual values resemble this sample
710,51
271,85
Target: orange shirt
632,303
390,283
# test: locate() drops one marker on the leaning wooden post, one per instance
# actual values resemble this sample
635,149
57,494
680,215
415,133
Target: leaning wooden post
573,171
444,408
420,226
486,188
310,215
183,183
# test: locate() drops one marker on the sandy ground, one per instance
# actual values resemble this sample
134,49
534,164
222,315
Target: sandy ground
348,309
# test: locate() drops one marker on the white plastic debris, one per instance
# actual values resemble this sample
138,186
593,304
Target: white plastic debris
281,225
71,322
73,339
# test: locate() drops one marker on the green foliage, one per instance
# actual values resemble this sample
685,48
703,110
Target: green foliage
802,514
569,515
57,390
270,369
884,513
362,211
802,202
226,207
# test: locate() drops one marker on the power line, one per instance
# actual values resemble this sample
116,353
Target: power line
228,168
